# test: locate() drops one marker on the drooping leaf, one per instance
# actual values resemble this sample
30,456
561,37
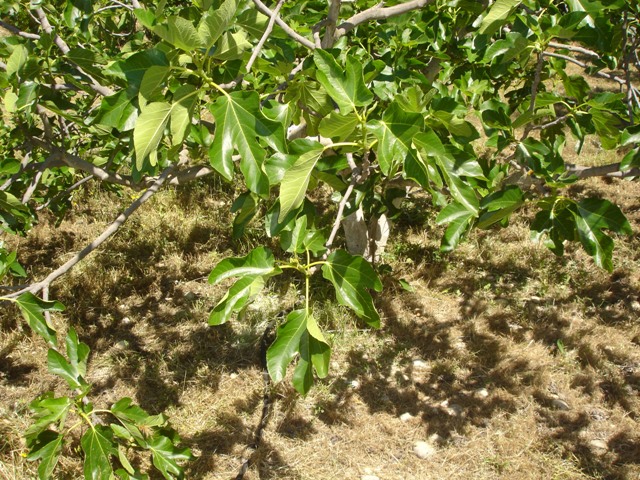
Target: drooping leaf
166,456
149,130
47,410
259,261
239,122
236,298
17,59
98,447
286,345
184,101
500,205
348,89
152,82
46,448
351,276
32,309
593,216
58,365
77,352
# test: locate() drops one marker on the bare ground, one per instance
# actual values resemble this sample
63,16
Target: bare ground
508,361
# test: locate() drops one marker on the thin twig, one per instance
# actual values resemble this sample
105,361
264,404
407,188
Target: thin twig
550,124
256,51
606,75
378,12
108,232
355,177
534,92
16,31
64,48
574,48
287,29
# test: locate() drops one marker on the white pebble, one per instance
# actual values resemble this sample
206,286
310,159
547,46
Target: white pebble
354,384
126,321
419,364
599,445
436,439
560,404
423,450
405,417
482,393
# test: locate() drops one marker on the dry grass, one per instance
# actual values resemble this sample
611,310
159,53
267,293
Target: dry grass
512,362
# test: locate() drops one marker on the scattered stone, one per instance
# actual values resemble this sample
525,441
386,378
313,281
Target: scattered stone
599,445
452,409
436,439
423,450
635,306
482,393
560,404
419,363
233,375
122,344
354,384
405,417
369,477
126,321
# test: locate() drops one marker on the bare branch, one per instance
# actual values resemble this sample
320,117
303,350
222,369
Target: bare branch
574,48
64,48
611,171
256,51
136,4
108,232
606,75
288,30
16,31
378,12
550,124
331,23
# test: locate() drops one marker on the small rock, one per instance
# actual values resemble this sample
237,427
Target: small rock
436,439
405,417
126,321
354,384
423,450
454,410
233,375
419,364
190,297
560,404
481,393
122,344
369,477
635,306
599,445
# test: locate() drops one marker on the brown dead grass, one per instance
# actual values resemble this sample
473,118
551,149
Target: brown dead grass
473,354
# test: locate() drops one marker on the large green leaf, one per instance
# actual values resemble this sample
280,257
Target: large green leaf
32,309
296,180
118,111
46,448
47,410
166,456
286,345
97,445
152,83
58,365
500,205
593,216
497,16
338,126
215,21
17,59
239,122
180,33
149,130
351,276
259,261
184,101
395,134
348,89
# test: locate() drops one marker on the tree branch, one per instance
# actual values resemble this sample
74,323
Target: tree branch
331,23
64,48
287,29
611,171
574,48
378,12
606,75
16,31
108,232
256,51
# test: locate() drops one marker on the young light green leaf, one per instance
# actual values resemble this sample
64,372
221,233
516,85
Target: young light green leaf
46,448
77,352
497,16
259,261
32,308
215,21
351,276
148,131
347,90
17,60
117,111
231,46
455,230
236,298
286,345
126,411
180,33
97,445
296,180
166,455
338,126
151,84
239,122
500,205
